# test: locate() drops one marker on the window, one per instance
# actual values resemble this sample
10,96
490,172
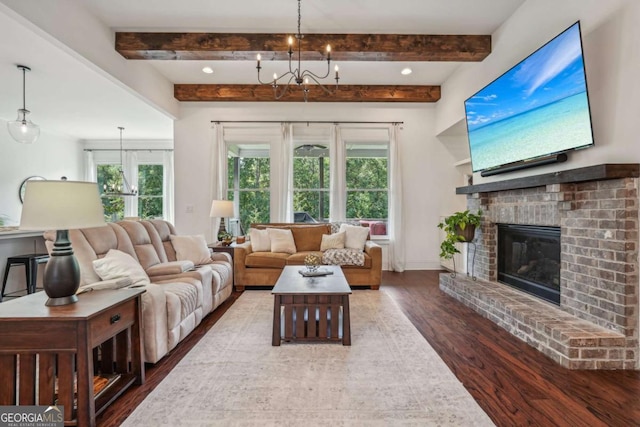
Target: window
311,183
249,182
150,194
258,180
113,205
149,171
367,182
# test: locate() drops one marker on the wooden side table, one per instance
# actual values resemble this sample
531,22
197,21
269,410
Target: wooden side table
217,247
41,346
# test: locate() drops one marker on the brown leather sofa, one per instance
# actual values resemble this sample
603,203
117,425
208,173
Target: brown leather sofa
180,294
253,269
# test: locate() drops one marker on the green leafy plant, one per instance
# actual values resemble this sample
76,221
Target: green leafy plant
454,227
225,237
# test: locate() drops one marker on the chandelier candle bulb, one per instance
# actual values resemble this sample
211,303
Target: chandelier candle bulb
259,58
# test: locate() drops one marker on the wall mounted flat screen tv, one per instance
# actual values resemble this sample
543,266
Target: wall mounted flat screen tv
538,108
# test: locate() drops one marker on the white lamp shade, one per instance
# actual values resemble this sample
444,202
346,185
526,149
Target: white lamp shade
222,209
61,205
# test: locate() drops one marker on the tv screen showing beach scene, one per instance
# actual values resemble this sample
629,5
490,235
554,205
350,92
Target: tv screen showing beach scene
539,107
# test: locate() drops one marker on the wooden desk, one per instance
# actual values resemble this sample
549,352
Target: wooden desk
100,334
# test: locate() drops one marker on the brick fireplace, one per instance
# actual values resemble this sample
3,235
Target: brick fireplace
596,324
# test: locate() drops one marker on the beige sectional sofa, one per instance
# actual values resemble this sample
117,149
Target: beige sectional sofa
180,294
263,268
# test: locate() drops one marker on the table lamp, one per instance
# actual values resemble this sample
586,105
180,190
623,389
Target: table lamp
60,206
221,209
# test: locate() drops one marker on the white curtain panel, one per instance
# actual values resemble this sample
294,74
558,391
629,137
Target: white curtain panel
337,168
219,175
90,170
285,202
167,184
396,213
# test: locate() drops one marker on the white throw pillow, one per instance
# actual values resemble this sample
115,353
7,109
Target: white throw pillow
191,248
356,236
333,241
117,264
260,241
282,240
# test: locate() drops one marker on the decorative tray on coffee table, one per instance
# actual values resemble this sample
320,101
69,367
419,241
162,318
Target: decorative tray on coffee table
317,273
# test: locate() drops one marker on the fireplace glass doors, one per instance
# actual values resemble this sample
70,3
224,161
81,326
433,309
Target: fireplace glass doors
529,259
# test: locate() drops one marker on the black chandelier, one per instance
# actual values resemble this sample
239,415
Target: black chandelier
298,76
121,187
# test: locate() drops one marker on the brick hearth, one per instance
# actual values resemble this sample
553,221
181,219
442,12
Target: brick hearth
596,324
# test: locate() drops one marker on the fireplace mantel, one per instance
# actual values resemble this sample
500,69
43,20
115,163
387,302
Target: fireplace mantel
589,173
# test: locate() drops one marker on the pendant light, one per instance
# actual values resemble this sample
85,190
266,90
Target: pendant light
22,129
121,188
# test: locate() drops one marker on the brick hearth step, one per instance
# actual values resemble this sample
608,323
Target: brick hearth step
572,342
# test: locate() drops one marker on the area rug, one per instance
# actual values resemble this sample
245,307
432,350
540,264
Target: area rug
390,375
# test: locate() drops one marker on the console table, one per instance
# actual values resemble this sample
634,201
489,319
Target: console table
50,355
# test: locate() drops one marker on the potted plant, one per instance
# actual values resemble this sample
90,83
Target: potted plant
459,227
226,238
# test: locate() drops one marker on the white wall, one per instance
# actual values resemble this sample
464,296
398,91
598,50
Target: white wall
429,179
72,27
611,39
51,156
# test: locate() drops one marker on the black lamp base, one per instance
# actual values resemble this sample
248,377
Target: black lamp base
62,274
53,302
222,231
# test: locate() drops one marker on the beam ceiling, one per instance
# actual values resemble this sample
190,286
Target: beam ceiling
345,93
345,47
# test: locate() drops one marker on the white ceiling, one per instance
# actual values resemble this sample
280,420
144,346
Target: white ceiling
67,96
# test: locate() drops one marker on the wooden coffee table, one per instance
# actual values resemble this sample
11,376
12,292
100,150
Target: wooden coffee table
311,308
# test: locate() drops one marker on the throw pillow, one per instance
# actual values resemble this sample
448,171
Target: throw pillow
333,241
116,264
260,241
191,248
343,257
282,241
356,236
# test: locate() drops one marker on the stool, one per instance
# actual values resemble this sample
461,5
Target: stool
30,262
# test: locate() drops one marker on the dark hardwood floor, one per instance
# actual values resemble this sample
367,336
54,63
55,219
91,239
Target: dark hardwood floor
515,384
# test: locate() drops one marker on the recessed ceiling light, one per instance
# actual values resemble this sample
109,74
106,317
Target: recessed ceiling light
406,71
207,70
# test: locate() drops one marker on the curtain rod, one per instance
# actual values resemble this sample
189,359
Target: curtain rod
128,149
307,122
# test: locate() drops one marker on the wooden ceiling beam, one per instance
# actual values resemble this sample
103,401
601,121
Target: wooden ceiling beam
344,93
345,47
